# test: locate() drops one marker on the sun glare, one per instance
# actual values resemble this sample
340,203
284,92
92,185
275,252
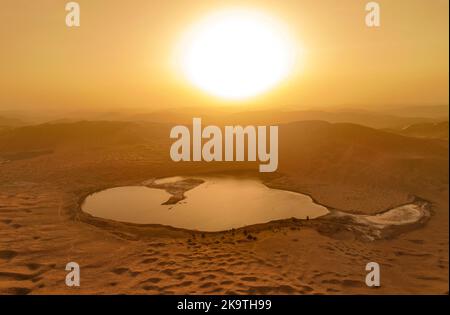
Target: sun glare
237,54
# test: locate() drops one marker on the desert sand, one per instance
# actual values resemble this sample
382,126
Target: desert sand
349,168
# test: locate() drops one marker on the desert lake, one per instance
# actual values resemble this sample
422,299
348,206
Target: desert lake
214,204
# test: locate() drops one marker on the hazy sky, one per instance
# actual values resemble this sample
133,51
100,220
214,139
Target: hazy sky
122,55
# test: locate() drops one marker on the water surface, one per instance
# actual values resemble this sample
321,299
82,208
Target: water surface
220,203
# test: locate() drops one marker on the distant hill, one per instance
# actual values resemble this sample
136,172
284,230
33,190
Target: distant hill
298,137
364,118
348,162
79,134
271,117
426,130
390,118
10,122
440,112
307,138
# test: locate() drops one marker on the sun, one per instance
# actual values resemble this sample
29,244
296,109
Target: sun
237,54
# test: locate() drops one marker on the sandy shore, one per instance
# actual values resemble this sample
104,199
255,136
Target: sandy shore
383,225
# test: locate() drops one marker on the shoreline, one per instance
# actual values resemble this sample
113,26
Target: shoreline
329,224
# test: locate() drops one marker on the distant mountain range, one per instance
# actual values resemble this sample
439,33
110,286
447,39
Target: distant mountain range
271,117
10,122
437,111
392,118
425,130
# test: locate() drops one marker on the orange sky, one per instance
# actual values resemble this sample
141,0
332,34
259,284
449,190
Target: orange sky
121,56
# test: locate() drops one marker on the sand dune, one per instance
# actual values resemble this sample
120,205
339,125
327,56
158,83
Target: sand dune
268,117
425,130
394,118
343,166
